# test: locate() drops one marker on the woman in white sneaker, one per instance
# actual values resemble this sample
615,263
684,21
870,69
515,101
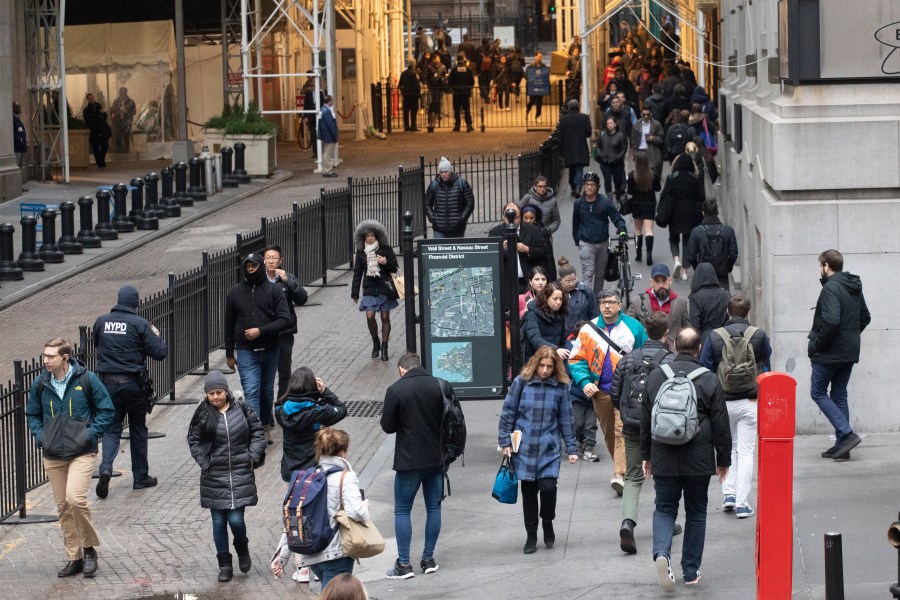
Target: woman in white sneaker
537,404
306,407
332,446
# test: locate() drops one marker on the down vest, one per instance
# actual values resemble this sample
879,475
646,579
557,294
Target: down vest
228,459
449,204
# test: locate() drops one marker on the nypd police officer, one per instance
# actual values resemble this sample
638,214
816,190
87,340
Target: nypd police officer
124,340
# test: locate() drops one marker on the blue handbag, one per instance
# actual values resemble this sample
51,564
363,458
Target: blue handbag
506,484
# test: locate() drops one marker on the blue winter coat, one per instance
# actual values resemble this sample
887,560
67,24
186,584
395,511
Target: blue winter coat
327,129
541,410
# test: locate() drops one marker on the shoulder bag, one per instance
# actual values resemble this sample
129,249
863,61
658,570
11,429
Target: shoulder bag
506,484
358,539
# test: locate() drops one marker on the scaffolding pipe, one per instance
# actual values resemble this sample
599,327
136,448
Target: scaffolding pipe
701,47
63,102
245,59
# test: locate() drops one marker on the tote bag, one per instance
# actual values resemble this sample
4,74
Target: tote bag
358,539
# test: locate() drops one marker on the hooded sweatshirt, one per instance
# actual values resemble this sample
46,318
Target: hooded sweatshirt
254,302
708,302
841,316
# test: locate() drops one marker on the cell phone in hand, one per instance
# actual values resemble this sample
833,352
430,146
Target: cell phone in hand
362,493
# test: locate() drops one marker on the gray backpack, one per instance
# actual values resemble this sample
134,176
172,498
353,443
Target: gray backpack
674,418
737,369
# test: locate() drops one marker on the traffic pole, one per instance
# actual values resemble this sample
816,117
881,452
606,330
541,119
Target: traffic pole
774,521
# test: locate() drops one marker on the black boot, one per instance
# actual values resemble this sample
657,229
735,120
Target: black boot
626,537
226,570
549,535
638,243
530,543
649,250
243,552
376,347
384,354
90,562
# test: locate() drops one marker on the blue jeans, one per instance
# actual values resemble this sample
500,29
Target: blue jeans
576,177
406,486
668,493
328,570
257,370
459,233
129,400
834,407
222,518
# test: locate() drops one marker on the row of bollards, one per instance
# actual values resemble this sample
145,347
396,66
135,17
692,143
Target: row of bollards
147,208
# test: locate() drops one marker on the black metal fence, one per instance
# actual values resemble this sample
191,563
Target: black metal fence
315,237
484,103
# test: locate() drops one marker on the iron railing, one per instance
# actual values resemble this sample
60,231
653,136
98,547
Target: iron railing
315,237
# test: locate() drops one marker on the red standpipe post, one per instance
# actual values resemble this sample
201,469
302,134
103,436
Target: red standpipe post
774,521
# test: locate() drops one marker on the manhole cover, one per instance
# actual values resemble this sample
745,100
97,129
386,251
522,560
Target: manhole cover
363,408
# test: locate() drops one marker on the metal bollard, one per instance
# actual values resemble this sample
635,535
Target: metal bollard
194,190
217,168
87,237
143,220
240,173
49,252
9,270
121,222
228,179
168,201
67,241
151,197
181,195
894,540
28,257
834,567
104,228
209,177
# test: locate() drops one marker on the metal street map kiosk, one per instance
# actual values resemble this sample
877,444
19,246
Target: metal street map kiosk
462,325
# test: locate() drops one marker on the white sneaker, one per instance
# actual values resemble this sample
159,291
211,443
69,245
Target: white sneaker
666,577
508,109
618,484
301,575
678,271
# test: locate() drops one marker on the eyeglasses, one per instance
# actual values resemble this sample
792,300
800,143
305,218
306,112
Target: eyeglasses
48,356
609,302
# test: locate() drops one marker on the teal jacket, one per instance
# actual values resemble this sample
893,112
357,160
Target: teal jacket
592,360
90,416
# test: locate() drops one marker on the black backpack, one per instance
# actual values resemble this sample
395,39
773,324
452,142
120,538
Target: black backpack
715,251
453,432
634,386
676,138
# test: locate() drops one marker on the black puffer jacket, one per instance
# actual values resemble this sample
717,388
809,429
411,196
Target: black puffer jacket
541,329
371,286
708,303
841,316
228,456
301,417
448,204
712,445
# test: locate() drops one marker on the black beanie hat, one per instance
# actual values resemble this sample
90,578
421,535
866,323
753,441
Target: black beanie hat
128,296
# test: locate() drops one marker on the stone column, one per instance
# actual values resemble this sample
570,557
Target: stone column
10,174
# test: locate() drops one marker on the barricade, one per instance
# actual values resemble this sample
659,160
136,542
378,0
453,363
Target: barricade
316,237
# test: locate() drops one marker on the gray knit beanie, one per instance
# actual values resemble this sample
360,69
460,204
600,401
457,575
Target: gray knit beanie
216,381
444,166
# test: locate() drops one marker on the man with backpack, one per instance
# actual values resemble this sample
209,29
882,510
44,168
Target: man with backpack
629,394
685,438
597,350
413,409
678,134
713,242
737,352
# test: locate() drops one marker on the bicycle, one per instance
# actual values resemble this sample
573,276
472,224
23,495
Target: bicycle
625,284
304,139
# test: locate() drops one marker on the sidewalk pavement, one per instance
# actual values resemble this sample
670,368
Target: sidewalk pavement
158,541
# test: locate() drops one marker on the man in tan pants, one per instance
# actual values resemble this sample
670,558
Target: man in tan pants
596,352
68,410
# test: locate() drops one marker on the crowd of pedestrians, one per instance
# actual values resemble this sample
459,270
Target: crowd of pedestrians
589,363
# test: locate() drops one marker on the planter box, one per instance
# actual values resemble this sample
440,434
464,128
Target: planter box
79,148
260,157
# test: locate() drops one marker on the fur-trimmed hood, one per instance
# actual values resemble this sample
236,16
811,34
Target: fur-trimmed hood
359,235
